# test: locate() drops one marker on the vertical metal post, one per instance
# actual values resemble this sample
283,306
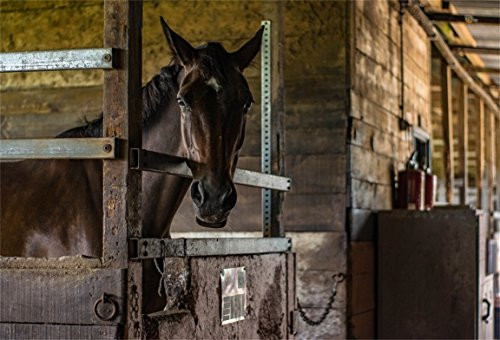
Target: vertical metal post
122,110
266,123
273,134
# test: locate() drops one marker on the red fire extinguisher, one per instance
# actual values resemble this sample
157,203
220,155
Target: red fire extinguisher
411,186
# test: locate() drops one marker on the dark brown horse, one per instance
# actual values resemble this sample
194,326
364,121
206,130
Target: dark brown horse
193,108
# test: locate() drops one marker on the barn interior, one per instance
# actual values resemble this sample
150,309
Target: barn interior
358,87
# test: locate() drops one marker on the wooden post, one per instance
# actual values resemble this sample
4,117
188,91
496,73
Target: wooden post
496,137
491,158
463,141
446,104
122,109
480,153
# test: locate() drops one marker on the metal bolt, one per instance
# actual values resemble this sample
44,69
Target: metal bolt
107,148
107,57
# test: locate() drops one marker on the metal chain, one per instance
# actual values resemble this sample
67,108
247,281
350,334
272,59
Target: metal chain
338,278
135,311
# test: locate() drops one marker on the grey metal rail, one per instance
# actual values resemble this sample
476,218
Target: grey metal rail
148,248
77,59
145,160
58,148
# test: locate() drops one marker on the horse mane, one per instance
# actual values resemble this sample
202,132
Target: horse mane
215,62
155,95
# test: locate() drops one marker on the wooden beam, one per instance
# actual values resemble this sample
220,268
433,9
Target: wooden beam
495,70
475,49
464,18
480,153
122,110
496,138
446,105
490,126
463,140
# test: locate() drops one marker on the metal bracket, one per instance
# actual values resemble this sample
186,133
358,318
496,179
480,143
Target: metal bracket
78,59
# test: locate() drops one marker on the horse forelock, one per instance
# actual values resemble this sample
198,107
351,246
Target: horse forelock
214,62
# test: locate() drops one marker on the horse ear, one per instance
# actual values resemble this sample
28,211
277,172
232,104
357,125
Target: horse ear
247,52
180,47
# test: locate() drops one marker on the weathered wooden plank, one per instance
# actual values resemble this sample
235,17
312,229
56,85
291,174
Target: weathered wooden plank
369,166
325,141
363,292
372,113
122,109
16,331
376,139
375,82
373,42
319,212
480,145
362,257
266,278
382,15
363,325
315,288
322,251
446,105
463,141
368,195
60,296
334,326
319,174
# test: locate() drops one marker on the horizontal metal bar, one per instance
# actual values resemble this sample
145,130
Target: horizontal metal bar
145,160
148,248
92,58
477,49
58,148
465,18
260,180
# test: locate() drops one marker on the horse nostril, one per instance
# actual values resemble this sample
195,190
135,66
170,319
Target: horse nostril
226,194
228,199
197,193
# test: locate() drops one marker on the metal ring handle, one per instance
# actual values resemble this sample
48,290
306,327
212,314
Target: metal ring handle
488,308
105,298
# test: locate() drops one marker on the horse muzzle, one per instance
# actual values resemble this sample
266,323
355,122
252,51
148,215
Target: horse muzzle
220,224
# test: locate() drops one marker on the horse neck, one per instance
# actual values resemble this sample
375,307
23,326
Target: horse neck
162,194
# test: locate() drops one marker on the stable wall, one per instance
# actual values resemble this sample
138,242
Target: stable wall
316,102
377,147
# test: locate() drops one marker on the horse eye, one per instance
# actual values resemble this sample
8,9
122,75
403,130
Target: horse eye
181,102
247,106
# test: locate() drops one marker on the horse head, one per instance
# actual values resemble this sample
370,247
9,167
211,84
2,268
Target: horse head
213,96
